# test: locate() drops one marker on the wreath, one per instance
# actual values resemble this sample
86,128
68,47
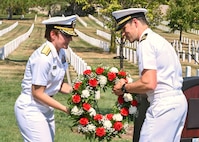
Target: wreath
84,109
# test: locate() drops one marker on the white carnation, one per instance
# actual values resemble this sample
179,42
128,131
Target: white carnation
92,112
107,124
114,69
129,79
117,117
91,127
102,80
127,97
76,111
132,109
126,125
97,95
82,129
85,94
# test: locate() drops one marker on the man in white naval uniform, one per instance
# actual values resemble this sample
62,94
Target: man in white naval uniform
160,78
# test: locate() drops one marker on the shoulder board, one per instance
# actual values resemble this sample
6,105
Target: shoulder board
143,37
46,50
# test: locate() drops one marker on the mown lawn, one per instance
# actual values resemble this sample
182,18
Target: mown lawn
11,74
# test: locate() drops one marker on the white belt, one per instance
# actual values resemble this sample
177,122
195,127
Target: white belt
164,94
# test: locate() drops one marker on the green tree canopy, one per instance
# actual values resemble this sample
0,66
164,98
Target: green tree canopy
183,15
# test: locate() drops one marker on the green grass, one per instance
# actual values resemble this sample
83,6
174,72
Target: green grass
11,74
19,30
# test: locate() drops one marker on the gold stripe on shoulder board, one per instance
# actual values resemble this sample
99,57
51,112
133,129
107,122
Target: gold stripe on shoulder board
143,37
46,50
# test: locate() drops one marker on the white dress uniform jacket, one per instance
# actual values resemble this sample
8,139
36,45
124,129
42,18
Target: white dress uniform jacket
47,68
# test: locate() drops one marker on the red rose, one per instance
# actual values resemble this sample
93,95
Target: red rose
76,98
111,76
77,85
134,103
122,74
109,116
83,121
93,82
124,111
120,99
87,72
100,132
99,70
98,117
118,126
86,106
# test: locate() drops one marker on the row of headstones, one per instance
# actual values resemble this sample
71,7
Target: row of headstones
188,72
8,29
130,55
164,26
12,45
191,43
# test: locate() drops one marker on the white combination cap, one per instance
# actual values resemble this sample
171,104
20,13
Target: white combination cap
123,16
64,24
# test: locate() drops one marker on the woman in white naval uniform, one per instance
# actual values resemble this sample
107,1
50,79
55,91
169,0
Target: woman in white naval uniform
160,78
43,78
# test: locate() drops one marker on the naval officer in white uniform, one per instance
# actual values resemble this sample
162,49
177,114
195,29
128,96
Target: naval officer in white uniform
43,78
160,78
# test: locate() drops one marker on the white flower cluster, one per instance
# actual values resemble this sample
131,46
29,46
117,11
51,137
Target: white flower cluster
132,109
92,112
88,128
117,117
102,80
97,95
85,94
114,69
107,124
127,97
129,79
76,111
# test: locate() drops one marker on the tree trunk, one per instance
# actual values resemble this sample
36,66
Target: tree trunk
121,51
180,34
9,10
113,43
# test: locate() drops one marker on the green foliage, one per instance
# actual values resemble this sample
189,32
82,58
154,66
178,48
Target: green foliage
182,15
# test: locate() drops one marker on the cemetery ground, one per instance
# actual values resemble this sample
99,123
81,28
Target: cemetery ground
12,70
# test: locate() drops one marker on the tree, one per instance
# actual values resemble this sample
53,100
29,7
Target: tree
20,7
182,15
108,6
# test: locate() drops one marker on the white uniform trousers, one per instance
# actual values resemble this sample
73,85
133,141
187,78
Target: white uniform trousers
35,126
165,118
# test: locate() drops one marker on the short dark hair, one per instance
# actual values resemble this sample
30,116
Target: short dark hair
47,33
143,20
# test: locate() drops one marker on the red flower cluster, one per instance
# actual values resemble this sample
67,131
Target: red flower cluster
77,85
111,76
118,126
99,70
124,111
86,106
76,98
93,82
98,117
100,131
83,121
